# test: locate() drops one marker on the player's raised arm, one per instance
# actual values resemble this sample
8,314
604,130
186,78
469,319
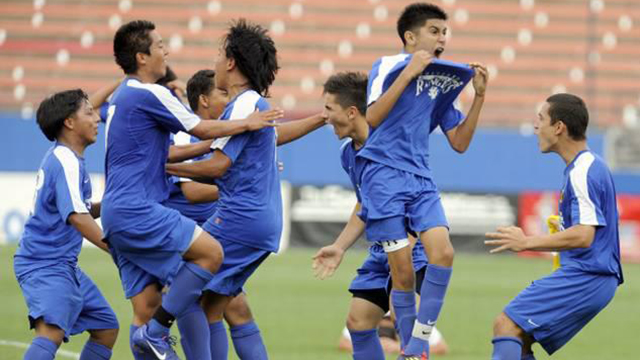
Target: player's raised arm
209,129
513,238
460,136
100,97
378,111
293,130
327,260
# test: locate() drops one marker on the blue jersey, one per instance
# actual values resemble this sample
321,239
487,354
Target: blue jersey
140,118
250,205
401,141
62,188
589,198
352,165
197,212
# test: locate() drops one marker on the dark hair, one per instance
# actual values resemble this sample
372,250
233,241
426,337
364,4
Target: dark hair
56,108
254,53
572,111
168,77
416,15
201,83
350,89
130,39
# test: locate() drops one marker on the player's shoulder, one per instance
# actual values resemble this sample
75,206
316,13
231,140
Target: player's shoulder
60,157
246,103
346,147
133,90
590,168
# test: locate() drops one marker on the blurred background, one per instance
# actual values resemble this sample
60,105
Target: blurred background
533,48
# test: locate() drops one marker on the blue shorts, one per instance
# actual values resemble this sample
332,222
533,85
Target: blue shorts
151,254
396,201
240,261
555,308
67,298
374,272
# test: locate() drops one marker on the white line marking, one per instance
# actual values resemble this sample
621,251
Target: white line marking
21,345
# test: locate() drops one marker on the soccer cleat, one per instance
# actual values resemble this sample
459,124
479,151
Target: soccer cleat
413,357
157,348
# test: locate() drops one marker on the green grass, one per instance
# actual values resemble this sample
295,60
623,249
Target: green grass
301,318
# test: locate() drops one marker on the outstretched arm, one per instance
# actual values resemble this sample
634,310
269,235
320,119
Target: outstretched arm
379,110
210,129
460,136
513,238
327,260
89,229
293,130
178,153
100,97
198,193
202,171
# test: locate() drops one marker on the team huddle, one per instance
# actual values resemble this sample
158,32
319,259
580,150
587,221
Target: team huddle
192,205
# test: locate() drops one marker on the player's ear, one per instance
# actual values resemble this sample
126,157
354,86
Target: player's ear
409,37
560,126
203,101
141,58
231,64
69,122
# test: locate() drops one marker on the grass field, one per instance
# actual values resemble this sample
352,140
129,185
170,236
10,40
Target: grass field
301,318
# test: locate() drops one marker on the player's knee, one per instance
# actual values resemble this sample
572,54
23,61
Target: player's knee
106,337
238,313
444,256
504,326
356,323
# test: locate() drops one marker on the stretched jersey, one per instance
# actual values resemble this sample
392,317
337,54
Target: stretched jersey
197,212
401,141
63,187
250,205
589,198
139,120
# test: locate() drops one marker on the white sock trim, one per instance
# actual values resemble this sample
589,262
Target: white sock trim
394,245
422,331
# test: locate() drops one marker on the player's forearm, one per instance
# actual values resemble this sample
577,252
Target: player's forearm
464,132
89,229
95,209
211,129
293,130
379,110
197,170
178,153
575,237
198,193
352,231
99,97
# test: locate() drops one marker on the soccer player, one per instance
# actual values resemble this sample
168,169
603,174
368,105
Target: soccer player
248,222
63,300
149,241
345,103
397,188
555,308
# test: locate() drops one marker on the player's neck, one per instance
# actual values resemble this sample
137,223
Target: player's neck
569,150
360,133
237,84
144,77
75,144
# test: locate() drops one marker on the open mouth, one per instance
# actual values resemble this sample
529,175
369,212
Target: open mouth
438,52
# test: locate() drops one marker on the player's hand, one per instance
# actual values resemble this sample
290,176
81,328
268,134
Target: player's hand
419,61
259,120
553,223
507,238
326,261
480,79
179,87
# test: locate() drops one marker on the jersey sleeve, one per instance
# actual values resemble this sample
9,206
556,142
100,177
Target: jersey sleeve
450,118
381,69
104,111
166,109
586,204
66,182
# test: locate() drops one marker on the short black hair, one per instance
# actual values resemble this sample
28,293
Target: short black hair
254,53
349,88
416,15
201,83
130,39
572,111
168,77
53,110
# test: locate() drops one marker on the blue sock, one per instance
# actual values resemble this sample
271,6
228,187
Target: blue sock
194,333
248,343
506,348
41,348
404,305
366,345
433,289
528,357
136,355
185,290
94,351
219,341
